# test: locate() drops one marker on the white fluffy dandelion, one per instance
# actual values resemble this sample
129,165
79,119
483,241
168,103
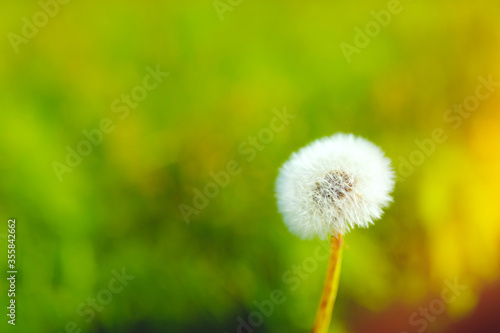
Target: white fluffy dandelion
332,185
327,188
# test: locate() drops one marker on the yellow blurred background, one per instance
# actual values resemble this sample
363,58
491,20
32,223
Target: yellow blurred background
107,161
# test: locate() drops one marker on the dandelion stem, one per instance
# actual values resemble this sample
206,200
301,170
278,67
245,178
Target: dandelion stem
324,313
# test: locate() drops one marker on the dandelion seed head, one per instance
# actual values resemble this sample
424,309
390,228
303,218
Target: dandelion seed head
332,185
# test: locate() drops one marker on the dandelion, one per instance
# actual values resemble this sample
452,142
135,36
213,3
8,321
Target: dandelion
329,187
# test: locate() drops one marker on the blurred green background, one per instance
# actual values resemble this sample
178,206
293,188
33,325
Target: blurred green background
230,65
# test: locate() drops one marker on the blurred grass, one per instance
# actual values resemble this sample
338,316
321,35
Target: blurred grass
119,208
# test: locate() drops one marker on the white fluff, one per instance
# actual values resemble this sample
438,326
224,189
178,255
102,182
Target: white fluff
332,185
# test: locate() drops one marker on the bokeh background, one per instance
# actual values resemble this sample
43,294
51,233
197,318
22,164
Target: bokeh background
119,208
